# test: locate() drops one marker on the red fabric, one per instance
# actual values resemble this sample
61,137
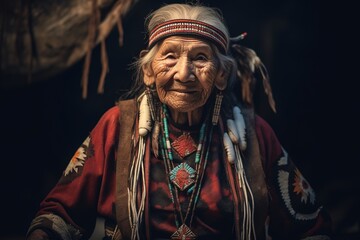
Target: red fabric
214,213
82,195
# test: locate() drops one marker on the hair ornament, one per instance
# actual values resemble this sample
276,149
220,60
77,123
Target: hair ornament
238,38
188,27
247,63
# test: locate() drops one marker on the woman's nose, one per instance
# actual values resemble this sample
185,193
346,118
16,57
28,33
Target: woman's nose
184,70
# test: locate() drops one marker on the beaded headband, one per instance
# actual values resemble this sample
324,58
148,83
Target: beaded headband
188,27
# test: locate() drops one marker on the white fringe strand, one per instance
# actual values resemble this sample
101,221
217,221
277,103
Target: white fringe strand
237,135
137,173
248,206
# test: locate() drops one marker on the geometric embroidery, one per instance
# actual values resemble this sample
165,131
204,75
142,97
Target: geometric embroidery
79,158
284,159
184,145
295,191
183,233
182,176
302,187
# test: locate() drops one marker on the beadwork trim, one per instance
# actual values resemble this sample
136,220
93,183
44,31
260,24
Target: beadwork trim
188,27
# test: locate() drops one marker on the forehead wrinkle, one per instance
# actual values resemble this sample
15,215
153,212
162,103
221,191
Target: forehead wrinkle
188,44
170,44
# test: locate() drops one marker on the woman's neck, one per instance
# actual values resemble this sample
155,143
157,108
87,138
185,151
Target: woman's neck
190,118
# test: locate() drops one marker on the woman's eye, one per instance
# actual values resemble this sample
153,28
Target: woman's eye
201,57
170,56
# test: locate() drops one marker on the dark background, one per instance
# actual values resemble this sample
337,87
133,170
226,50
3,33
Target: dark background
311,53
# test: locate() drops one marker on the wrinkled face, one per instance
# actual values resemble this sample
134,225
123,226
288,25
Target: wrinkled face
184,71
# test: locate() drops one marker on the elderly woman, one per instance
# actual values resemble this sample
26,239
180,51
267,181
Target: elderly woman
187,158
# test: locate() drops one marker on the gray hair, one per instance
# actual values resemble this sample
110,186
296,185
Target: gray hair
182,11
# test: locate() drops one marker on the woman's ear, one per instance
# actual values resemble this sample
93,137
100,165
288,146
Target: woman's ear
148,73
221,79
223,74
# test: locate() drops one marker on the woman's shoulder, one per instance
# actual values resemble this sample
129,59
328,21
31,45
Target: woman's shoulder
261,122
269,143
122,108
110,115
263,127
114,112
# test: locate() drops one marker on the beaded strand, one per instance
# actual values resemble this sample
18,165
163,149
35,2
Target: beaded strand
166,132
200,161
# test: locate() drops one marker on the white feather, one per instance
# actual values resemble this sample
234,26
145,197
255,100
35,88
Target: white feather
229,148
233,132
144,117
240,126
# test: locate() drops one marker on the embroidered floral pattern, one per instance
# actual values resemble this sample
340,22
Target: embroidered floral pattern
295,191
302,187
77,162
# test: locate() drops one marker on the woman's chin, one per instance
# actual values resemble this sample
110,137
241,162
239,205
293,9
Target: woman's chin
184,107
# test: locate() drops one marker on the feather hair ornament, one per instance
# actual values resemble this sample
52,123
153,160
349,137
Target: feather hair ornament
247,63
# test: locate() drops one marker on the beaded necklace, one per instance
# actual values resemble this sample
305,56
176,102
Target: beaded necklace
192,177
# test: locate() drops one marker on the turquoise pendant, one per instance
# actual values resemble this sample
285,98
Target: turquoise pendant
183,176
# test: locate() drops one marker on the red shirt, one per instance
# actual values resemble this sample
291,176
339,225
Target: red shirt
86,189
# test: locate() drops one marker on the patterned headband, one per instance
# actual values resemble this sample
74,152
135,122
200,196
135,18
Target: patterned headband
188,27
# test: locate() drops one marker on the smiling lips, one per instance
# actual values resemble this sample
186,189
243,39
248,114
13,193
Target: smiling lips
183,92
185,89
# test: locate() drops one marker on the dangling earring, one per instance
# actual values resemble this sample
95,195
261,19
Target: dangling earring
217,107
